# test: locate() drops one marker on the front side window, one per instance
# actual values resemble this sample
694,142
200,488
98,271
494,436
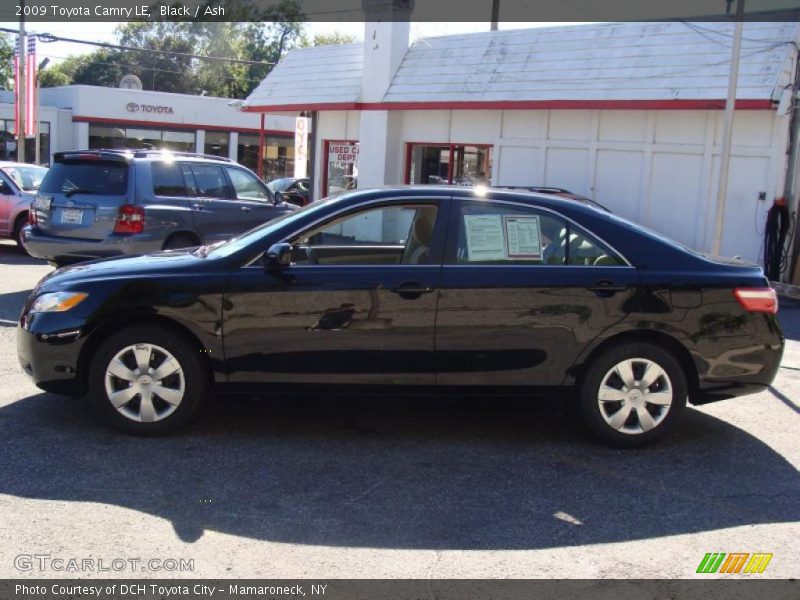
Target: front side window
508,234
246,185
390,235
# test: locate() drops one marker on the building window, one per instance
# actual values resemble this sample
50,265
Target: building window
140,138
341,167
8,143
278,155
217,143
449,164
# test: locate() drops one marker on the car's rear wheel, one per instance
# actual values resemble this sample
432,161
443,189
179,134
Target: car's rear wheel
632,394
147,380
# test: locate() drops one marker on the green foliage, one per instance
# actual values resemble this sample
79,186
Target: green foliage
6,58
330,39
278,30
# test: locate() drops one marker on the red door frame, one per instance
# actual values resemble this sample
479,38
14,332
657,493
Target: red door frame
325,147
450,165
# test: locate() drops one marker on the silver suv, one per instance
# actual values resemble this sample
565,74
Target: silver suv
101,203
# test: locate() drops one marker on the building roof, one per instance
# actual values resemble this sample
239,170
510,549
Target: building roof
621,65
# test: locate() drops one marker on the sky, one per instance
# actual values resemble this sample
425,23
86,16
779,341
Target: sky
104,32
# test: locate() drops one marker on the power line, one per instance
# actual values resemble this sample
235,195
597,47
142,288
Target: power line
49,38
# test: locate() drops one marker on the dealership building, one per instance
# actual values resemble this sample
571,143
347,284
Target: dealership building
629,114
81,116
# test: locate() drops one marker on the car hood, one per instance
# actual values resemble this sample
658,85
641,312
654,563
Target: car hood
165,262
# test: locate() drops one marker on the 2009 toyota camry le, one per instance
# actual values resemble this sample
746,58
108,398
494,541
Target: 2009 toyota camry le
412,289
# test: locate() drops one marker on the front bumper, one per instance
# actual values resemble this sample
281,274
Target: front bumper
51,359
65,250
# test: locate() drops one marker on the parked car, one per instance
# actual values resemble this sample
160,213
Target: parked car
18,185
412,288
294,191
101,203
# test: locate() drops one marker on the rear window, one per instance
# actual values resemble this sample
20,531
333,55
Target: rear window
86,177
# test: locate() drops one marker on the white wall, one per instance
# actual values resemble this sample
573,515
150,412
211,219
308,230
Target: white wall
658,168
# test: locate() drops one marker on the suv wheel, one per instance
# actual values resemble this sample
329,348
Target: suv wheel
147,380
180,241
632,394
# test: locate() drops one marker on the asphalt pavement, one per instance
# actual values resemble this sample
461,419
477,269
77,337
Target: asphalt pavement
377,487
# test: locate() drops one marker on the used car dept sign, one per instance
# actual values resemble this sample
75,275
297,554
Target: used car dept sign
345,153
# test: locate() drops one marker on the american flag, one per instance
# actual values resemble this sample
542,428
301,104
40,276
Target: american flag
30,89
17,52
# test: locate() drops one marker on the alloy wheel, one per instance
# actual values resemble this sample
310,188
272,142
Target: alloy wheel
635,396
144,383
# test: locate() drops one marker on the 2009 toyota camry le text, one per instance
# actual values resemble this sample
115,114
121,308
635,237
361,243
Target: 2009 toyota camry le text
412,288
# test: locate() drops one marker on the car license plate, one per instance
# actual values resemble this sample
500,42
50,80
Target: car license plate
72,216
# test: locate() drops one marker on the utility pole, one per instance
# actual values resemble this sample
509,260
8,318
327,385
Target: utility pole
727,130
21,83
495,15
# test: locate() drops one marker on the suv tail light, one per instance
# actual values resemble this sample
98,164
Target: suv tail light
757,299
130,219
32,218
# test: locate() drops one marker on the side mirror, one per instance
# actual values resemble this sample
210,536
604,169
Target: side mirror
279,198
279,256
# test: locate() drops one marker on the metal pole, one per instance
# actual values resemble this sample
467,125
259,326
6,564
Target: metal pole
727,131
37,138
21,84
495,15
261,148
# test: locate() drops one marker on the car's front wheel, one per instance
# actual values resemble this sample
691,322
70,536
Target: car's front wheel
147,380
632,394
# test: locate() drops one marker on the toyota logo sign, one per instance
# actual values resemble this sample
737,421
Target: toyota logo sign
149,108
132,107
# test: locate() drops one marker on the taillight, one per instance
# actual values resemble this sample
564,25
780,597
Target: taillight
130,219
757,299
32,218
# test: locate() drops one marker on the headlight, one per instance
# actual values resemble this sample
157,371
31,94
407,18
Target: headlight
57,301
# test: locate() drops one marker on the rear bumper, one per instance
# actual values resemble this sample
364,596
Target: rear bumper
734,373
65,249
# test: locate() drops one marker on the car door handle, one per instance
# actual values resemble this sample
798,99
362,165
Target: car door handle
606,287
245,209
198,206
411,288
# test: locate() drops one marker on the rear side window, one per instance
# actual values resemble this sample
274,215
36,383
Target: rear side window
168,179
87,177
506,234
210,181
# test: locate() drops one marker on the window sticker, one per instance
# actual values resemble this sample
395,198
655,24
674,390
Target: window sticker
523,236
485,239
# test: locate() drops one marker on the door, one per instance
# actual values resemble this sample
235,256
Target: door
357,305
8,200
523,291
255,203
217,216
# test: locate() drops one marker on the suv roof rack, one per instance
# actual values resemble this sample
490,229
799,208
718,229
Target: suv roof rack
145,153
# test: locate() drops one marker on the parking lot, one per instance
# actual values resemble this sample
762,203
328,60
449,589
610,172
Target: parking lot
369,487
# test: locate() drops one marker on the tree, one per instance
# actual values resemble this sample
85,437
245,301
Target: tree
6,61
333,38
61,73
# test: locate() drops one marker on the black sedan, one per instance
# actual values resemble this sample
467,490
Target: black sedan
412,288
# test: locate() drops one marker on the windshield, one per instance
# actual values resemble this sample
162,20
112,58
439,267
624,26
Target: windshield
244,240
28,178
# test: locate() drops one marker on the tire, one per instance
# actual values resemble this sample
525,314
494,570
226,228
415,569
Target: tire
632,416
180,240
16,233
174,398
